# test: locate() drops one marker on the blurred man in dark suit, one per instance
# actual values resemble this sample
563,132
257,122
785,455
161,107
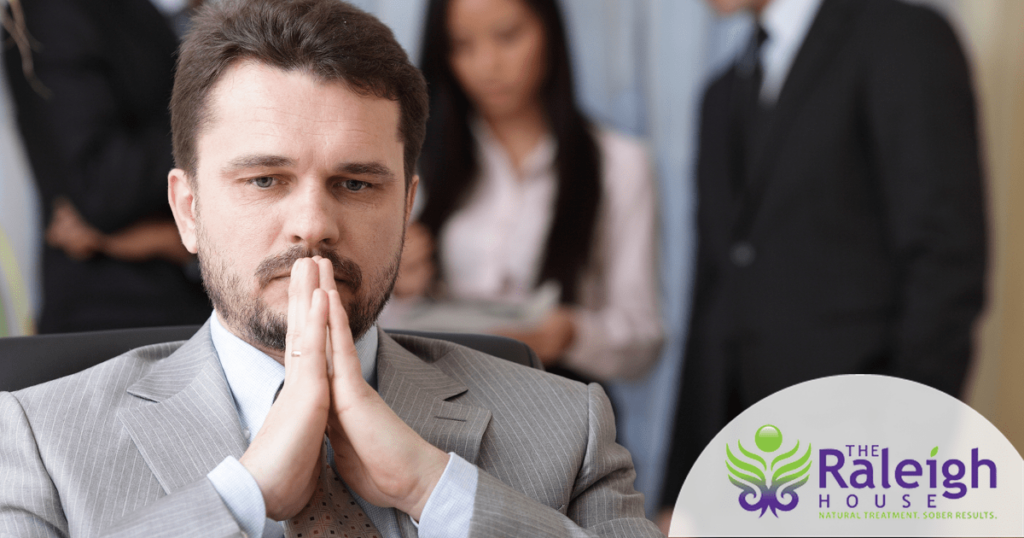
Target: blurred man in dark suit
840,219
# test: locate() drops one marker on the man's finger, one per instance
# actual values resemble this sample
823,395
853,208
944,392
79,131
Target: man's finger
293,307
326,269
343,349
292,336
308,277
327,283
312,359
300,294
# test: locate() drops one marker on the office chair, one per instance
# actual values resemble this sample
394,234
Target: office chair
30,360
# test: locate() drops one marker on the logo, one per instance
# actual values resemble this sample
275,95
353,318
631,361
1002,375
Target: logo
890,457
878,473
787,472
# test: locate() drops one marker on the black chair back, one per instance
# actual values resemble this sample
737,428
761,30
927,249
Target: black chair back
30,360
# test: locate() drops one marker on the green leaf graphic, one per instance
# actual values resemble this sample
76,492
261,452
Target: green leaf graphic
737,474
777,478
787,455
935,451
790,477
741,485
752,456
740,464
802,482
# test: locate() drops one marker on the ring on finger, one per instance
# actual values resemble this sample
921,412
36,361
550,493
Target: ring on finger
296,353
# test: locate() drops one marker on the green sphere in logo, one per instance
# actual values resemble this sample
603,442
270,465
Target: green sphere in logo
768,438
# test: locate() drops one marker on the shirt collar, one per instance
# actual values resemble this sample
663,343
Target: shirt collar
170,7
787,23
537,164
254,377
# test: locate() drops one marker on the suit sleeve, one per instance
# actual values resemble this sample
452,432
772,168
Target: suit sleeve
603,502
194,510
30,506
115,148
921,116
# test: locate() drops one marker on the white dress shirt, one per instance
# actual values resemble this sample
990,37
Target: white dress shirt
170,8
787,23
254,378
493,248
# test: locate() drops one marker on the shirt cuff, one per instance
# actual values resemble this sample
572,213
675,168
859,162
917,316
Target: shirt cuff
450,506
240,492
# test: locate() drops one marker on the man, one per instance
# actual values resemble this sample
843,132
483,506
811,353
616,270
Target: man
296,131
840,222
92,112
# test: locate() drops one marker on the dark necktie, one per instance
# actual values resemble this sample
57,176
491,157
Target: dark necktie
331,511
749,112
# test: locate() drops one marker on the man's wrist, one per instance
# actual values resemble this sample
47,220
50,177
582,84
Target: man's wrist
433,470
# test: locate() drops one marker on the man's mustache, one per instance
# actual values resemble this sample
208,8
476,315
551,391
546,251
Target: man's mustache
273,267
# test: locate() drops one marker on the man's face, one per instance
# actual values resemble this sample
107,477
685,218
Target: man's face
290,167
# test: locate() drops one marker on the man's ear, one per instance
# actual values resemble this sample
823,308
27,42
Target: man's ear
410,197
183,205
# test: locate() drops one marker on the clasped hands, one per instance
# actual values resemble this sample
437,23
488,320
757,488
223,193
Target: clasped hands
377,455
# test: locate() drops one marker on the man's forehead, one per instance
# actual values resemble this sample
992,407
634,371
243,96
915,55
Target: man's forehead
266,99
258,81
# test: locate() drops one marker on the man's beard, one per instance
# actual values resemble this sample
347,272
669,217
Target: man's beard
265,328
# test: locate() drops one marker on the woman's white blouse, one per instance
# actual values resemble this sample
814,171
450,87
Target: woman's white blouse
493,248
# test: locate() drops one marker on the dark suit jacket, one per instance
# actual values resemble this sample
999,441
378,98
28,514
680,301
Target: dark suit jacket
102,139
856,242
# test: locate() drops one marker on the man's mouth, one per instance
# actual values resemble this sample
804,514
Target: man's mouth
346,272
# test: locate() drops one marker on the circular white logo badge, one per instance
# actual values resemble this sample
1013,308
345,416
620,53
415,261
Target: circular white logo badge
855,455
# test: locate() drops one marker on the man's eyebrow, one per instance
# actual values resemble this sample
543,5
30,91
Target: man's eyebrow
374,169
258,160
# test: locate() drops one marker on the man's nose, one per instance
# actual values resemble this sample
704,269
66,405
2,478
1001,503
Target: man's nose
312,217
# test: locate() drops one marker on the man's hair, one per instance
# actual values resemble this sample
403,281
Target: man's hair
328,39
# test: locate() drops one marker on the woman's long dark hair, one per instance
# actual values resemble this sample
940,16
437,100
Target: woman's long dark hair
449,167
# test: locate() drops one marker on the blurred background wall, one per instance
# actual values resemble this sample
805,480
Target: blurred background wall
20,231
993,32
641,66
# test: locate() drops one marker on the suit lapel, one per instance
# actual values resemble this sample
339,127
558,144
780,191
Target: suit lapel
824,40
420,395
189,424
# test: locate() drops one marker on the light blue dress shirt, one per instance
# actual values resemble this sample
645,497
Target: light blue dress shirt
254,378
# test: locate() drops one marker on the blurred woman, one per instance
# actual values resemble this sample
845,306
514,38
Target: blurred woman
521,190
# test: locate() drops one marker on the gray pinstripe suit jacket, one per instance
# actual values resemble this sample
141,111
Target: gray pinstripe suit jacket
123,449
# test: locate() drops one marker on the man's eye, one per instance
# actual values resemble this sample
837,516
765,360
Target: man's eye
263,182
354,185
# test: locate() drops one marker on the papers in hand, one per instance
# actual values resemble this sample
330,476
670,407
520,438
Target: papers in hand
471,316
